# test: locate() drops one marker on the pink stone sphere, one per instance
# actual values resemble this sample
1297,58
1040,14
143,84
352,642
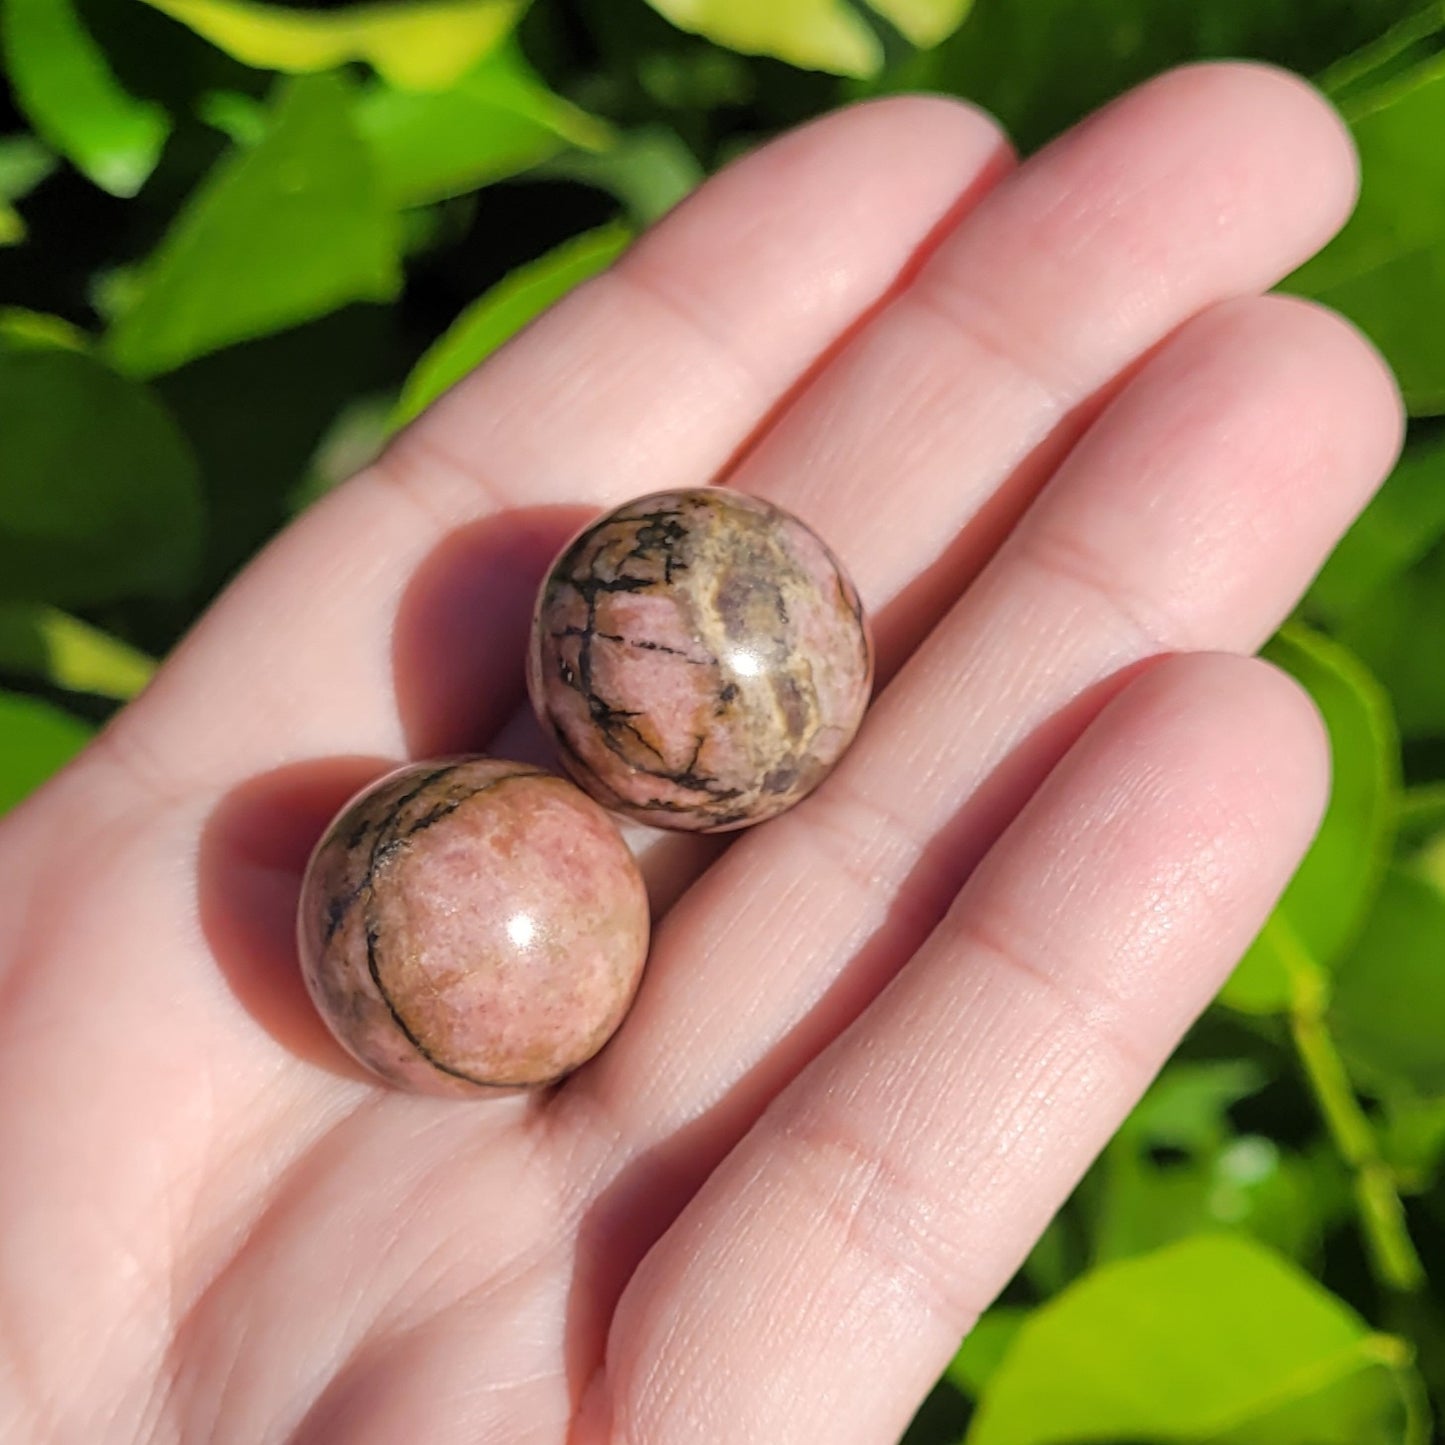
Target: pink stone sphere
469,925
700,658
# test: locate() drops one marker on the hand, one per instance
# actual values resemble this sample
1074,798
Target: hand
1056,435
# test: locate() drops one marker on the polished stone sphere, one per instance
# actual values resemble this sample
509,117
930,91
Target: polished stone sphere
471,925
700,658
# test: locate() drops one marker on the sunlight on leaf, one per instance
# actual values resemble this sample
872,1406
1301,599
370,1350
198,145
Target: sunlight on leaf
63,81
46,643
283,232
20,328
1326,903
1158,1348
497,120
504,311
102,499
815,34
416,44
923,23
36,740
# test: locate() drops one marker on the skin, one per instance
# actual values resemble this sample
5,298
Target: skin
880,1037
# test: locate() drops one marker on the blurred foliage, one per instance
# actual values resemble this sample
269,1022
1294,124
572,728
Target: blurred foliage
243,241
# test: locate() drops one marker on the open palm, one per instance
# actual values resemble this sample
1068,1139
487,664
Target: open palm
1046,420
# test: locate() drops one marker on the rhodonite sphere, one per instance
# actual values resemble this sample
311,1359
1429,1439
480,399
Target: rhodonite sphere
470,925
700,658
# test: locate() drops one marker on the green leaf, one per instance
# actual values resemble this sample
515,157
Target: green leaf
1040,65
1280,1198
1412,1139
696,78
1246,1183
298,381
24,163
36,740
649,170
1429,859
1399,527
1388,1007
46,643
1214,1338
61,78
1057,1256
1385,58
1386,268
497,120
1211,1177
416,44
830,35
356,437
1391,299
924,23
1326,903
505,310
985,1347
242,119
289,230
1186,1106
21,329
1422,814
1405,655
100,497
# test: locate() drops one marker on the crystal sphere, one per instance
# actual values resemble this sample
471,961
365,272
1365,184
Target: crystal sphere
700,658
469,925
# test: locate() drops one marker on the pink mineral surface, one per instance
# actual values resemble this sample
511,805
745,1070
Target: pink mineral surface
470,925
700,658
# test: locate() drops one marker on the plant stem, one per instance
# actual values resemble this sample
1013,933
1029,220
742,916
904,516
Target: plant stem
1381,1213
1382,1216
1415,1401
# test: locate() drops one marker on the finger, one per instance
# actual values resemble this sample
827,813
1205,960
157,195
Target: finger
921,445
391,618
1191,516
917,449
301,659
821,1279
